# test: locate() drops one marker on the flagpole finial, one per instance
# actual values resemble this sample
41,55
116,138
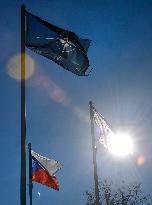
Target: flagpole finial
91,105
29,145
90,102
23,6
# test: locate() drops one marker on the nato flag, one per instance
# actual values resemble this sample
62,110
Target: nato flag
59,45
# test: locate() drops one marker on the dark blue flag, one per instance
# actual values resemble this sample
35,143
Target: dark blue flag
59,45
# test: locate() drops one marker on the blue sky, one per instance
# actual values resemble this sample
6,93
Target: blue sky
57,101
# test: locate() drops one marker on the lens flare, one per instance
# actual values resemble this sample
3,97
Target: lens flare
14,67
141,160
120,144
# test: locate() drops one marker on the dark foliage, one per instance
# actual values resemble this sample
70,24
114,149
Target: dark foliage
125,195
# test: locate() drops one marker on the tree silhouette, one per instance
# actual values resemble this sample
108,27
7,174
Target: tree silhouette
124,195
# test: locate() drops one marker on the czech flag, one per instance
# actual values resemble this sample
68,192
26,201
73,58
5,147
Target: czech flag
43,170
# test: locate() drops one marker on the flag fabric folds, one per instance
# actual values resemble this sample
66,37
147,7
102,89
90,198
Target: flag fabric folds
59,45
103,127
43,170
50,164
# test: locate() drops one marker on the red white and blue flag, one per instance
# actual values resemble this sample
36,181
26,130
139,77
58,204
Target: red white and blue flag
43,170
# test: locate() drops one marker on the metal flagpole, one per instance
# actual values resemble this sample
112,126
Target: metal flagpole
94,156
30,173
23,120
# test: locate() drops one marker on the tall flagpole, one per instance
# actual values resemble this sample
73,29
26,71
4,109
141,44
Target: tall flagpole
23,120
30,173
97,198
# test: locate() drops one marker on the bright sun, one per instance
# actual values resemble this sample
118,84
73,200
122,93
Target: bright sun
120,144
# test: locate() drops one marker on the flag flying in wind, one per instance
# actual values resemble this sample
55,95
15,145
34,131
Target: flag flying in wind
104,129
59,45
43,170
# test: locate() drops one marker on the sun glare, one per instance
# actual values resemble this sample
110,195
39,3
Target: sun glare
120,144
14,69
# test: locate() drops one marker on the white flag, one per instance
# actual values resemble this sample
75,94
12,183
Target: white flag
103,125
51,165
